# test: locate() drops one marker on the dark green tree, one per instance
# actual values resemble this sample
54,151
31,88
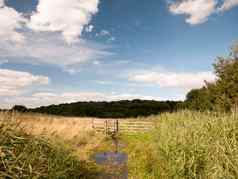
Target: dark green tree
19,108
199,99
226,86
221,95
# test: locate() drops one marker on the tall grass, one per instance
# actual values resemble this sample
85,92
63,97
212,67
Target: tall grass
24,155
186,145
76,133
183,145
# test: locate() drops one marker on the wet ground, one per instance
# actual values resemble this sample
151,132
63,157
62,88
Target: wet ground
114,163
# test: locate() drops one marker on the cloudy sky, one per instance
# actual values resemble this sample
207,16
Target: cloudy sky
54,51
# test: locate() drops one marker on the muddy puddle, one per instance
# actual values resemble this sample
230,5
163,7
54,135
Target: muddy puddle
114,163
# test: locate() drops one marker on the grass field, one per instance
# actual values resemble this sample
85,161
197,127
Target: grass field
25,155
182,145
186,145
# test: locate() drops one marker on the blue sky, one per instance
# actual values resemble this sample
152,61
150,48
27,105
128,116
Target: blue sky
58,51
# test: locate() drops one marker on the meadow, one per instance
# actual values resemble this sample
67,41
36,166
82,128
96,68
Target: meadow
184,144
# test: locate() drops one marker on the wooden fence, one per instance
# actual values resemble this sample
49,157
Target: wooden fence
120,126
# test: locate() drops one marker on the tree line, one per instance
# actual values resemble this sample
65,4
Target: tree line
115,109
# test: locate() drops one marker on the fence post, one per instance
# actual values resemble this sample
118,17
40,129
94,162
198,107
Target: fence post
105,126
117,126
93,124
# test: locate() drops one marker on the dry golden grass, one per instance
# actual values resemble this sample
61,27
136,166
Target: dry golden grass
76,133
38,124
27,155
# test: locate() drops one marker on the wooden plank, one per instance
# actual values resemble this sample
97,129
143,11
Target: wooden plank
99,122
126,123
138,129
134,129
140,126
139,122
113,125
99,126
135,125
130,127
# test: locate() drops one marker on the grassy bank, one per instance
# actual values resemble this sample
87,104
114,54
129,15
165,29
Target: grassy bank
186,145
25,155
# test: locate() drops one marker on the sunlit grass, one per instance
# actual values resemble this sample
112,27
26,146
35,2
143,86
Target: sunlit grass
47,154
76,133
183,145
186,145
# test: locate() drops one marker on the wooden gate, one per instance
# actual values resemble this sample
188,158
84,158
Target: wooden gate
121,126
136,126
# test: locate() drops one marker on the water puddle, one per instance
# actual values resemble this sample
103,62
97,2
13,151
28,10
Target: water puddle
111,158
114,163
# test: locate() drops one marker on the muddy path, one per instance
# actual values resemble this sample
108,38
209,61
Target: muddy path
113,162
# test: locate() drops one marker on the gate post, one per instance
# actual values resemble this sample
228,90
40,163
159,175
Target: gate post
117,126
93,124
106,127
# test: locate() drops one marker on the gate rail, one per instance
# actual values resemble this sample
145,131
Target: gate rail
117,126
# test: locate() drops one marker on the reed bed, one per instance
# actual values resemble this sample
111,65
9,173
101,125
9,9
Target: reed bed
25,155
186,144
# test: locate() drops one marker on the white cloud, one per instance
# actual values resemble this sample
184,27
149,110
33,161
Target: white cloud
89,28
197,11
47,98
173,80
106,33
15,82
68,17
1,3
227,5
11,21
49,48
